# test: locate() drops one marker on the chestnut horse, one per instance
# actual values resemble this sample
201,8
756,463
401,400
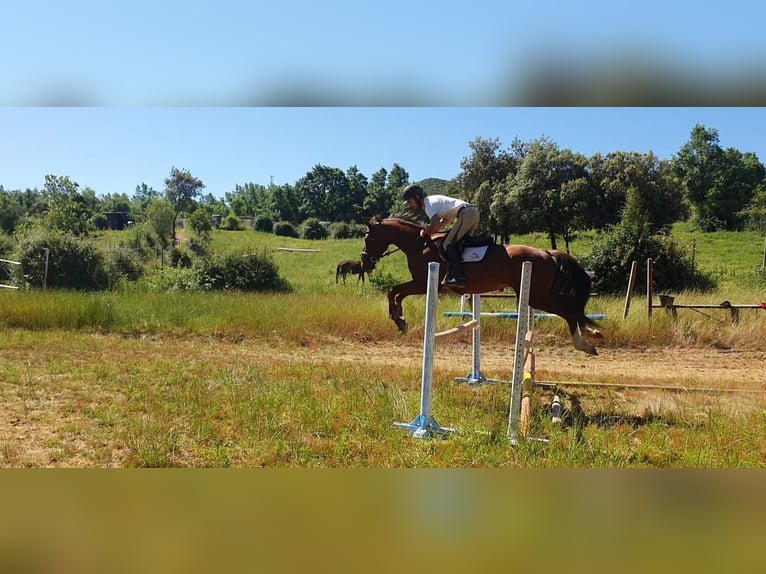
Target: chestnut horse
559,283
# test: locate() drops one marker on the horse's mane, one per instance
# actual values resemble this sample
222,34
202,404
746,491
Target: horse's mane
408,217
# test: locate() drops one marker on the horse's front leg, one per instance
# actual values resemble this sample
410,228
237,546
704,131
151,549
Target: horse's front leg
395,298
395,311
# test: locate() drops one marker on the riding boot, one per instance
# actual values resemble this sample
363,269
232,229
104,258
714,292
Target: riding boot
457,277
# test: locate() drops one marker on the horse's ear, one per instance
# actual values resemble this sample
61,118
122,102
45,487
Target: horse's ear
372,220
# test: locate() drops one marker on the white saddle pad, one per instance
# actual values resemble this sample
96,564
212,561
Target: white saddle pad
473,254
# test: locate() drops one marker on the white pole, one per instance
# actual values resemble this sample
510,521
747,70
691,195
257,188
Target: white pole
424,424
475,376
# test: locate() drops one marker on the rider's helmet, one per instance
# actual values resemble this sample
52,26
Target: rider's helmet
412,190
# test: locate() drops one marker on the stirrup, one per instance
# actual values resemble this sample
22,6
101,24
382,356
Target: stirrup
455,282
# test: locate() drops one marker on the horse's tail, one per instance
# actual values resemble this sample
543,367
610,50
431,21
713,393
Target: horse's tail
572,281
337,271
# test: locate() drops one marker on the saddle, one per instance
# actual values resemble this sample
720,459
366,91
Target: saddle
481,240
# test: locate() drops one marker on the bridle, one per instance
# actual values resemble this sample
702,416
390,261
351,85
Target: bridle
374,260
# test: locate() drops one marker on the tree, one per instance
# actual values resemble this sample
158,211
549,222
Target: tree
68,210
488,163
632,240
482,177
324,193
143,195
181,188
160,215
351,209
549,191
397,179
286,203
719,183
755,214
651,178
214,205
11,210
250,199
378,200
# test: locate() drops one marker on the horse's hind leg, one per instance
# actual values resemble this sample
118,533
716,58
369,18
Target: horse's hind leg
579,343
592,334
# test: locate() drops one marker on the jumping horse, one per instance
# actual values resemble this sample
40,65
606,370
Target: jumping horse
560,285
346,267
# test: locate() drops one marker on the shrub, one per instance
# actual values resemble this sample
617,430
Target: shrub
72,263
285,229
232,222
615,250
383,280
342,230
180,257
313,229
140,238
242,272
199,223
7,245
265,224
125,264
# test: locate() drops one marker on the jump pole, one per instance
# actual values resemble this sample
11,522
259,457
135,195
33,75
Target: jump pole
475,377
424,425
522,344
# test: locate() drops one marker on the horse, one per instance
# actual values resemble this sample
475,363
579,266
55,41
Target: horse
559,285
346,267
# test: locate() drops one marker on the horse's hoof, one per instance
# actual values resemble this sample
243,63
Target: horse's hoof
598,336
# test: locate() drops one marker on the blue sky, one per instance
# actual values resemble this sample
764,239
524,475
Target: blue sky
411,52
145,86
114,149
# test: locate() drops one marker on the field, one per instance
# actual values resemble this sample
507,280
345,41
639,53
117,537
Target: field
319,376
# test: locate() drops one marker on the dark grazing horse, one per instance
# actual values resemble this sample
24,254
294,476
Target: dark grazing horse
559,284
352,267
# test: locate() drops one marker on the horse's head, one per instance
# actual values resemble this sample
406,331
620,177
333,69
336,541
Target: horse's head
373,249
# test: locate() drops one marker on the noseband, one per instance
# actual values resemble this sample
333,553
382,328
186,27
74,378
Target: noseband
374,260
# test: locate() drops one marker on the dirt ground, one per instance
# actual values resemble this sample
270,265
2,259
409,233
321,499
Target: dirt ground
623,379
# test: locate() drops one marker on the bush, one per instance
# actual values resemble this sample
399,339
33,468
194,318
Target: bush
312,229
383,281
342,230
72,263
265,224
616,249
140,238
124,264
242,272
232,222
285,229
180,257
7,245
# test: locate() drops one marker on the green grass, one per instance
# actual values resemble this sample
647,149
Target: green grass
185,379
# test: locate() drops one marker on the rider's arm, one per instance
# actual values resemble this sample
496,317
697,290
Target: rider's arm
434,226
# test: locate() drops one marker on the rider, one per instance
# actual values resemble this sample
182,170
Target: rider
442,210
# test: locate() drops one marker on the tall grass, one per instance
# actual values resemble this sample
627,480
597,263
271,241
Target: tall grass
145,379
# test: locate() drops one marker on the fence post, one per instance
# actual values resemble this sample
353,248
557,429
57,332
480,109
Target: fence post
522,325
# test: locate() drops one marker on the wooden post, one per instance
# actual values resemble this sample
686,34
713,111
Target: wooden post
631,284
649,282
